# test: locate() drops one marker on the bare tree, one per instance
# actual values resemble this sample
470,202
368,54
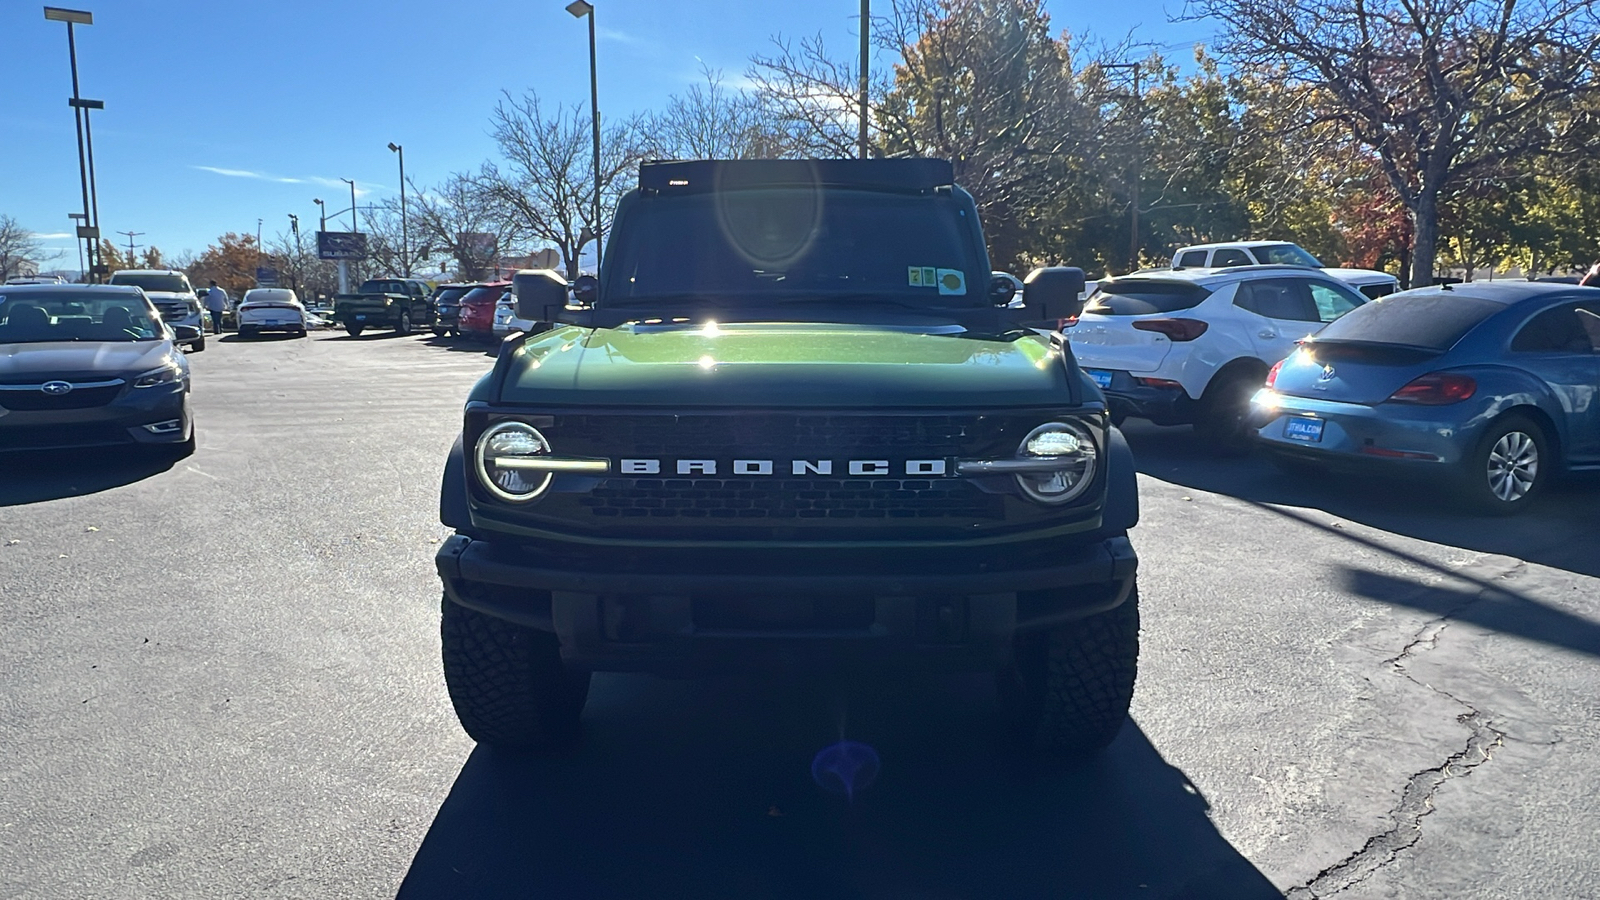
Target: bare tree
1442,91
810,99
546,188
460,220
712,121
19,249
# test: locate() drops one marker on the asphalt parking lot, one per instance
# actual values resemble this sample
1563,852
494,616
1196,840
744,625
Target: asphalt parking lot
222,680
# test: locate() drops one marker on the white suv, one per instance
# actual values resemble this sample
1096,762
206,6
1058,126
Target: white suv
173,297
1190,346
1370,282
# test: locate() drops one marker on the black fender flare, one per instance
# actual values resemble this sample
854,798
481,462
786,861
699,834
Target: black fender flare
1122,486
453,509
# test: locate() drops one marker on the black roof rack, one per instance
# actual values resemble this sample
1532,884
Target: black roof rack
914,175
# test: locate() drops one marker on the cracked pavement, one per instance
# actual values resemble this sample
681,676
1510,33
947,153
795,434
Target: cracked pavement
223,680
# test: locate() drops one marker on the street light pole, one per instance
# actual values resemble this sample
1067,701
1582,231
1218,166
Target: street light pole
355,227
866,30
579,9
405,232
87,228
322,213
78,218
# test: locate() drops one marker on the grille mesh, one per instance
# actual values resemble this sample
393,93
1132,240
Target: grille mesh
776,498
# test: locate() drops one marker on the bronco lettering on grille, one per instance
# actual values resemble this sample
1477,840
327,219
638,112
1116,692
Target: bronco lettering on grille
861,468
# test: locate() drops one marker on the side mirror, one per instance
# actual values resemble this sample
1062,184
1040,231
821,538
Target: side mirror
184,333
540,294
1054,292
585,288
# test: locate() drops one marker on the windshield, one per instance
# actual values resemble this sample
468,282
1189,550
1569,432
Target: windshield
450,295
483,294
87,316
384,287
1434,320
795,242
1286,255
167,282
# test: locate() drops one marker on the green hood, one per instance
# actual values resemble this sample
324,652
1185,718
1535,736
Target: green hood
785,364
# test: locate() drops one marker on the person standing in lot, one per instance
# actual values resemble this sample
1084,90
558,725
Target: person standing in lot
216,304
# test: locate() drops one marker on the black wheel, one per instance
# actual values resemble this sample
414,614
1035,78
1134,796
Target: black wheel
405,324
199,344
507,682
1222,418
301,333
1508,467
1067,690
440,332
353,330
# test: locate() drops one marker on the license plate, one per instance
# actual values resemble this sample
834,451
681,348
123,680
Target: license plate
1301,428
1100,376
273,323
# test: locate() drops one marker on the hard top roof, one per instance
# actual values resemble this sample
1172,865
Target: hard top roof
1250,243
913,175
149,272
1507,292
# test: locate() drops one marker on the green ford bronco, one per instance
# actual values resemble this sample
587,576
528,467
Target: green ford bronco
794,424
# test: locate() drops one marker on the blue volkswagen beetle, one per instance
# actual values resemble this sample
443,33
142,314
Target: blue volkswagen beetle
1493,386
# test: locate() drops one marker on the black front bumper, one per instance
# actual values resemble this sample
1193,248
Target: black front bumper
803,612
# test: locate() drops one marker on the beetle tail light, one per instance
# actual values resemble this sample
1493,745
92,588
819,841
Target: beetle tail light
1436,389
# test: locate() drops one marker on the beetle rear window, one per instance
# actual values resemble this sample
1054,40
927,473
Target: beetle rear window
1142,297
1435,320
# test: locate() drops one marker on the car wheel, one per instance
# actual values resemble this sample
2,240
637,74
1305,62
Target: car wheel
1508,467
405,324
1222,418
440,332
353,330
507,682
199,344
1068,688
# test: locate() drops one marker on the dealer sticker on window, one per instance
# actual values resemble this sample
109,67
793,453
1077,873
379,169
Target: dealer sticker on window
951,282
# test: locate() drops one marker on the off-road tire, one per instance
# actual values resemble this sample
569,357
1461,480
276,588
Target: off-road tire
1067,690
507,682
1474,479
404,328
354,330
1222,417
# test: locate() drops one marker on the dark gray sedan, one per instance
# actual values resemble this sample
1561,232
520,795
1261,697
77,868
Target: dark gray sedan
91,365
1495,387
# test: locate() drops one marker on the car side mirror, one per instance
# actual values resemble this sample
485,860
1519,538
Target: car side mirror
540,294
1053,292
184,333
585,288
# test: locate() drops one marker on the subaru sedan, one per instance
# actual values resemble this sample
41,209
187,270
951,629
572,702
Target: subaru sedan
1495,388
91,365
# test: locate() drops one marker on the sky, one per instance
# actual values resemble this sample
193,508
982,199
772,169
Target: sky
223,112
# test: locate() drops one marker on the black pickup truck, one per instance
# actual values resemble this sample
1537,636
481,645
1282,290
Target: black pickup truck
400,304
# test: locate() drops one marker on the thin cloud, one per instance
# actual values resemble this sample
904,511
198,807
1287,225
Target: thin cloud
621,37
54,235
285,179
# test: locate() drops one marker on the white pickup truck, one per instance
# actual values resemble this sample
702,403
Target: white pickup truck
1370,282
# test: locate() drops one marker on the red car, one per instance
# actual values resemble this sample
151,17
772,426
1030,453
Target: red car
477,309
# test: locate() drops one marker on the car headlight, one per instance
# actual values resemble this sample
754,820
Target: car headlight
167,374
503,455
1070,449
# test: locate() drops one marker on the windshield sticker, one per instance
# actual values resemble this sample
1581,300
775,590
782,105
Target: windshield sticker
952,282
922,276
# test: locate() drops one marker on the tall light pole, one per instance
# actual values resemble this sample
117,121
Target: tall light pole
866,31
355,226
294,270
79,218
322,214
579,9
89,228
405,233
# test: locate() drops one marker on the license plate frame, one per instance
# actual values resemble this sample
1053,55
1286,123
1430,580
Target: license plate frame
1102,377
1305,429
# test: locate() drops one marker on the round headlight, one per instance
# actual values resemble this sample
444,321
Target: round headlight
498,452
1072,447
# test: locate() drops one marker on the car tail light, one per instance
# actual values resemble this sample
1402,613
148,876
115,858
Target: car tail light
1175,329
1272,373
1436,389
1158,383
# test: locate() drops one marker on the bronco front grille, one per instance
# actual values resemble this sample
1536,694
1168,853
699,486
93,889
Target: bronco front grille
750,498
762,435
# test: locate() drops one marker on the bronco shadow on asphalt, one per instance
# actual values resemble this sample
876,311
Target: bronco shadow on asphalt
790,428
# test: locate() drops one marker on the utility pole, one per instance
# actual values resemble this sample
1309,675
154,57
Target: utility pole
866,31
405,231
294,270
1138,162
131,235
